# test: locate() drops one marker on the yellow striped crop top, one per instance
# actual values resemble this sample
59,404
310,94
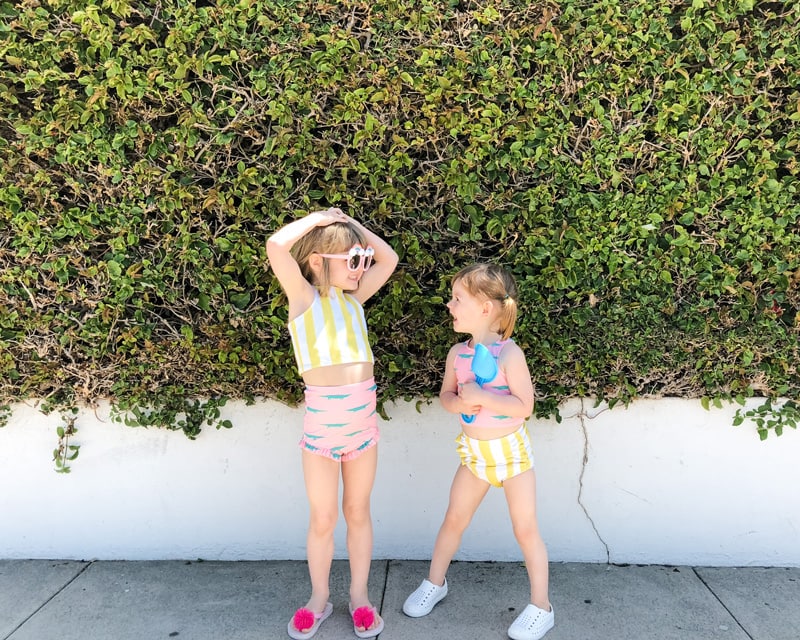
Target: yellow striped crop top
333,330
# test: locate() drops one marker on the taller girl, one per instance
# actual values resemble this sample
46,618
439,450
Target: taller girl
329,265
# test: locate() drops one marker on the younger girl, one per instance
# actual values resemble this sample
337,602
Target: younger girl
328,264
494,446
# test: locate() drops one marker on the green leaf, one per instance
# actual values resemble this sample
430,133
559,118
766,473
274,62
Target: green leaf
240,300
114,270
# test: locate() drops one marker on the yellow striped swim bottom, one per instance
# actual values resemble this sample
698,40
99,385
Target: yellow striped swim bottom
495,461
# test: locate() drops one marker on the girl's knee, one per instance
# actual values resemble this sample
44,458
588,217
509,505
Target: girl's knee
356,514
526,531
456,521
323,522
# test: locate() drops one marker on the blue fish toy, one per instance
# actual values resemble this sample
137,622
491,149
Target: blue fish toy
484,366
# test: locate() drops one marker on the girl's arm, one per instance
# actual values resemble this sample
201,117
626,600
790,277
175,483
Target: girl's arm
385,262
449,394
298,290
519,403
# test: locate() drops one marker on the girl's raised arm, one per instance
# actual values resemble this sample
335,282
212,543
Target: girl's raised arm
298,290
383,267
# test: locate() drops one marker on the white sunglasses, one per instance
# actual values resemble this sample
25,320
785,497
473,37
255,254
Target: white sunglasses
356,257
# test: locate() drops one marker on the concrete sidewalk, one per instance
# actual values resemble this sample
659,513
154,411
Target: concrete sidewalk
69,600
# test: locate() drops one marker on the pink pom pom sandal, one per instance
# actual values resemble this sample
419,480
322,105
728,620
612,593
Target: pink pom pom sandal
364,618
305,623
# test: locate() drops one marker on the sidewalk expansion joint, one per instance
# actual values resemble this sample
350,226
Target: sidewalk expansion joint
50,599
385,585
724,606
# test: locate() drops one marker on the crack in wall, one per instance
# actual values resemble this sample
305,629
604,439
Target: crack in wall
582,416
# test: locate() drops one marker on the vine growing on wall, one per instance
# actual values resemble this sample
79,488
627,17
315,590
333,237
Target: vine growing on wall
64,453
633,162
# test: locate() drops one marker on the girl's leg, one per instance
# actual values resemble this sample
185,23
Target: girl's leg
521,497
322,487
466,494
358,477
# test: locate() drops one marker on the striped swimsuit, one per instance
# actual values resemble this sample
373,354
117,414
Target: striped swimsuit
333,330
340,422
499,459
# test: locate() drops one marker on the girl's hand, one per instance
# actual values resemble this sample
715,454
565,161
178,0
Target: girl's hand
324,217
298,290
470,394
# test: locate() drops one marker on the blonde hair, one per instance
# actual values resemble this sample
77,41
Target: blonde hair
333,238
492,282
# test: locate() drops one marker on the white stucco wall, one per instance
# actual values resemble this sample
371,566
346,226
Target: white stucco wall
664,482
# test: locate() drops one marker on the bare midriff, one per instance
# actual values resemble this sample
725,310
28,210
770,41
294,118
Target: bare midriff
488,433
339,374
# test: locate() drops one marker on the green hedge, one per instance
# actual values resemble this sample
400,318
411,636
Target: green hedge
634,162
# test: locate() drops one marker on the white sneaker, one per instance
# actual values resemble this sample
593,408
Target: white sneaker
424,599
532,623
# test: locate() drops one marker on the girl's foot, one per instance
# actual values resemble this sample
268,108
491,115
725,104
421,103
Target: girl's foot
424,599
366,621
305,623
532,623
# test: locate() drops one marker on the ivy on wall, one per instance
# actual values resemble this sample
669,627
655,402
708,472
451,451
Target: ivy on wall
633,162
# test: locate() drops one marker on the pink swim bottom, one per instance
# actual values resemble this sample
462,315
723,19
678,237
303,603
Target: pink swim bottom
341,422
